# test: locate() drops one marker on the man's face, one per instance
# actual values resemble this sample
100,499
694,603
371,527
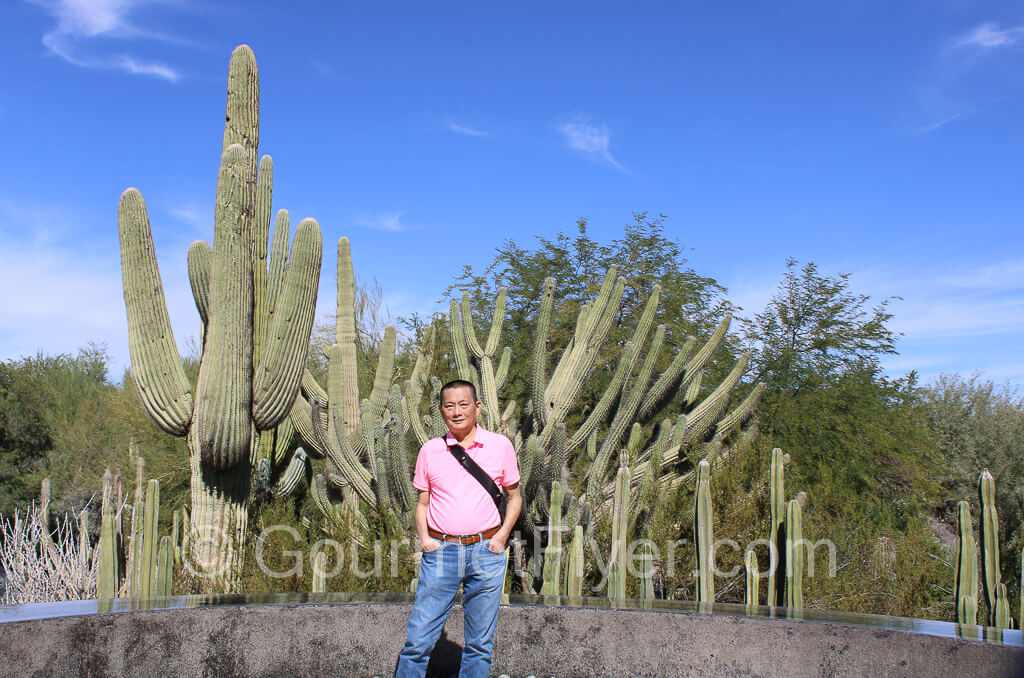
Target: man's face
459,410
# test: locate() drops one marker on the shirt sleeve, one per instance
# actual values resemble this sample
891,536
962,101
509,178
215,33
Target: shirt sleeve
510,467
420,480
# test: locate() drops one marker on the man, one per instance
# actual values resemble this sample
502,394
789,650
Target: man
462,537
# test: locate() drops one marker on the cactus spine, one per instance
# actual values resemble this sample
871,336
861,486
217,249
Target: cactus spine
244,386
966,568
989,540
704,535
794,556
777,499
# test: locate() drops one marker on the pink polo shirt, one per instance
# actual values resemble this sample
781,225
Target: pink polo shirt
458,502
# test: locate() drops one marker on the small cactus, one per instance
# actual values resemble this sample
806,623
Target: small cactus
989,540
553,552
574,565
966,591
795,549
320,572
620,518
704,535
777,504
753,579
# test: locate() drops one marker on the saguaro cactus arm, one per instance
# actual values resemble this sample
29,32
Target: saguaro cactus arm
156,363
276,380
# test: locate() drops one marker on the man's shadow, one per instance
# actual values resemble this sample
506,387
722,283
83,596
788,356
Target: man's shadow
445,658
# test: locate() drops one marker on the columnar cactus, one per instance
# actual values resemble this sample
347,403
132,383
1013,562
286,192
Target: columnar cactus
989,540
164,572
966,590
777,504
335,423
553,551
256,329
753,578
320,572
795,552
620,526
647,572
703,533
574,565
108,569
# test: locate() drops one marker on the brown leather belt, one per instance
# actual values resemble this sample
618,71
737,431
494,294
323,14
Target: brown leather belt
464,539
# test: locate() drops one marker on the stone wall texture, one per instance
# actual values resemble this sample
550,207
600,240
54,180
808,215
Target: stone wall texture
363,639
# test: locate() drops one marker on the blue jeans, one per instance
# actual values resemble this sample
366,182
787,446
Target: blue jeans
482,575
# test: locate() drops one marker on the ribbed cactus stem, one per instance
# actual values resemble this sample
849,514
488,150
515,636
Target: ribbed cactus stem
539,353
989,538
620,526
156,364
753,578
574,566
135,553
704,535
164,575
107,571
224,391
320,572
458,336
647,572
293,474
966,589
1001,609
278,373
150,540
553,551
345,338
795,549
776,522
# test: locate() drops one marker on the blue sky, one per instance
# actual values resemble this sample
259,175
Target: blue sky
877,138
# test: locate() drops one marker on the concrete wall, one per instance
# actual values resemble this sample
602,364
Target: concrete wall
364,639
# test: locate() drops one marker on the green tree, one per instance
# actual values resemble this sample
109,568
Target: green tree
858,440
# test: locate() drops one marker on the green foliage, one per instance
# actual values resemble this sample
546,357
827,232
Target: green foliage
815,329
643,257
978,425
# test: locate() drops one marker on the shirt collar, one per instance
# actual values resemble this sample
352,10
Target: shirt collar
449,438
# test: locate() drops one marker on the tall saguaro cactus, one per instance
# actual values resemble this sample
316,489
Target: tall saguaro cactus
254,351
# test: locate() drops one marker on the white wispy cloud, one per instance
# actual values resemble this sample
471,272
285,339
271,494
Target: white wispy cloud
931,127
589,139
388,221
989,36
84,22
463,129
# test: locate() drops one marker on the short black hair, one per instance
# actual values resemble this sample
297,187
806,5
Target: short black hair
457,383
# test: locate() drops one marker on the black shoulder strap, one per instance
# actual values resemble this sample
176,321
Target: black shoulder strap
474,470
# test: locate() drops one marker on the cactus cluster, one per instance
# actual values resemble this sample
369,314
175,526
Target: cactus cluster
139,565
257,313
364,440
